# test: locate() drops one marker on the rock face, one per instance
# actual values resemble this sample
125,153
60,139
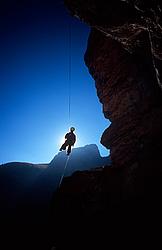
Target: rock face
121,204
124,57
103,208
131,98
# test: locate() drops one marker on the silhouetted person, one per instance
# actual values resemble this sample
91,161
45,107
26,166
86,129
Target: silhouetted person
70,140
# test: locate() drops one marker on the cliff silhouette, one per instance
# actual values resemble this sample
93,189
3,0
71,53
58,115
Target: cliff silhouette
119,206
26,192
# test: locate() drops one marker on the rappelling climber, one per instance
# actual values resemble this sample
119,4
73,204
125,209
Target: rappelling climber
70,139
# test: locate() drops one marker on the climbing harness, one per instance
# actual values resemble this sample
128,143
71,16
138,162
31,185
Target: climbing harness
62,176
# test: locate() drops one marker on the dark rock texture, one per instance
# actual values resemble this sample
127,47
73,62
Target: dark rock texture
108,207
131,98
124,57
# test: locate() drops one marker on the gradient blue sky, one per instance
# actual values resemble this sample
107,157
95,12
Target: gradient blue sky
34,83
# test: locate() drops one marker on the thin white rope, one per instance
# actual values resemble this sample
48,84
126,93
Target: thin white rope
69,96
153,58
62,176
69,74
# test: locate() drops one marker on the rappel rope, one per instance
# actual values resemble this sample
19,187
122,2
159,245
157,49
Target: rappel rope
69,98
62,176
69,74
152,55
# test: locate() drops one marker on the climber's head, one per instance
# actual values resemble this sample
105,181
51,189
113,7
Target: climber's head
72,129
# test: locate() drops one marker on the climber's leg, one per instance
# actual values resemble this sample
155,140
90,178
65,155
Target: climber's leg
69,149
63,147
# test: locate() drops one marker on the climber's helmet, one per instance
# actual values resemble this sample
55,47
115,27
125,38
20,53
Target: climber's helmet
72,129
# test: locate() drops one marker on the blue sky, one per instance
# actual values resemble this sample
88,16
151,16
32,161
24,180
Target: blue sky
34,85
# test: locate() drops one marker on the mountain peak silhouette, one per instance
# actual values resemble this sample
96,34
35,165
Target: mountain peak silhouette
26,189
81,158
41,180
